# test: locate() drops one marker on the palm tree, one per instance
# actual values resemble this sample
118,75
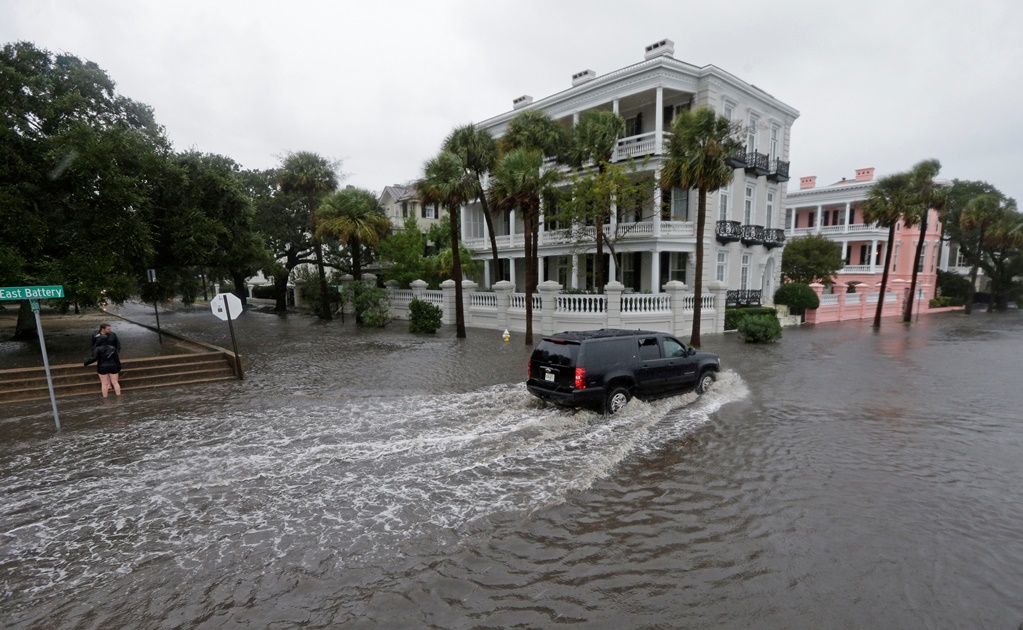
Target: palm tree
311,177
522,180
596,136
445,182
888,201
929,195
354,217
977,218
478,151
697,148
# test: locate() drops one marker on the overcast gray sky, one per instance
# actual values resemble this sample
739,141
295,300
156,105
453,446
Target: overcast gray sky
883,83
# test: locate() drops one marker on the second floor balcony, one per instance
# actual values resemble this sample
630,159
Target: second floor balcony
754,162
774,237
727,231
751,234
853,229
778,171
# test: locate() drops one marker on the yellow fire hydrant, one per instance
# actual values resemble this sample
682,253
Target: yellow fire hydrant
506,336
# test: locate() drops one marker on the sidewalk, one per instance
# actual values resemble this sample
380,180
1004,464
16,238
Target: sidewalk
69,338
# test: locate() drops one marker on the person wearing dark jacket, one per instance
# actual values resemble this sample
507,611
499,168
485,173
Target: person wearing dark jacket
106,350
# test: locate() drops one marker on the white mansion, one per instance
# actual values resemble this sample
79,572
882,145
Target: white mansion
745,229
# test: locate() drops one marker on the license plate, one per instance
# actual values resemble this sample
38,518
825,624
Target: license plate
549,376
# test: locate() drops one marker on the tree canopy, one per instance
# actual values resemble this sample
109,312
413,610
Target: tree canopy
809,259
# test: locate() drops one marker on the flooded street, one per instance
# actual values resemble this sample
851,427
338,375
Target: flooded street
841,478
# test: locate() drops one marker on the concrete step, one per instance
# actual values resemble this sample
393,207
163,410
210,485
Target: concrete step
149,372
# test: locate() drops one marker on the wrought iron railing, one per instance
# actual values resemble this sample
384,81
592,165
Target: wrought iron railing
779,171
774,237
728,231
752,234
742,297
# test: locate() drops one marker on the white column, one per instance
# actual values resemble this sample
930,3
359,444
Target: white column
817,219
873,255
845,219
511,271
541,262
612,269
845,250
659,120
657,201
574,278
486,273
655,271
614,106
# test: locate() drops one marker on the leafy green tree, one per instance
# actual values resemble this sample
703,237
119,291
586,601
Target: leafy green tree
929,194
984,223
445,182
595,138
404,254
310,178
696,152
809,259
478,151
354,217
797,296
522,180
888,202
76,159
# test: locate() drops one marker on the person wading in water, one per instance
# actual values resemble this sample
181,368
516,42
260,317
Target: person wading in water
106,350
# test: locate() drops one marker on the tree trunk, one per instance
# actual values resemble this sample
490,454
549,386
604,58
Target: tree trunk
598,263
907,313
527,223
701,226
357,272
25,328
489,220
281,291
971,292
884,274
323,308
456,272
238,278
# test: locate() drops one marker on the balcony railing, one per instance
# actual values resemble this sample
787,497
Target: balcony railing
757,163
779,171
751,234
737,159
742,297
728,231
637,146
774,237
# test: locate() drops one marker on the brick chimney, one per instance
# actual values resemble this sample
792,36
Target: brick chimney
809,181
864,174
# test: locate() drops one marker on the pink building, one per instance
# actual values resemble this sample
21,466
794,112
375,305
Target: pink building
836,211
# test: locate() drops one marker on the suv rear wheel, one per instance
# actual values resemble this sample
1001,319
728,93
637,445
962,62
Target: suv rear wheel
706,380
617,398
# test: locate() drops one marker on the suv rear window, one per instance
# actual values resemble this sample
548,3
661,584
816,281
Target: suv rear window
551,353
609,352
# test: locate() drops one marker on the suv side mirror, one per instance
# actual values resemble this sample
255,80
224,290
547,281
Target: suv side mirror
692,351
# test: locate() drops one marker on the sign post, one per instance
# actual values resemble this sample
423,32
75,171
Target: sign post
151,277
33,295
227,307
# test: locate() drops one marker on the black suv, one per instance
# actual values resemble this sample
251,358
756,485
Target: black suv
605,368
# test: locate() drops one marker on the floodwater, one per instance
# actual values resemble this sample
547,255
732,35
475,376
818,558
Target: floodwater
842,478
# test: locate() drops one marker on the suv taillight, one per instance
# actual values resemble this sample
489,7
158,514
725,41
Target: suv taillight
529,369
580,378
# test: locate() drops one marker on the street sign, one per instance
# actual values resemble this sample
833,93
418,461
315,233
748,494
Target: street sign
31,293
224,303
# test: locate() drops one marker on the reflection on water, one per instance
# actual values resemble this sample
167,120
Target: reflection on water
841,478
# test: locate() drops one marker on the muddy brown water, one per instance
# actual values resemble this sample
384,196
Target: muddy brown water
843,478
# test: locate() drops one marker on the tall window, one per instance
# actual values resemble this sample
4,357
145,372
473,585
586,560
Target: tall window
722,270
404,209
628,270
723,204
728,110
751,133
634,125
679,204
769,219
775,140
473,227
744,272
747,215
923,258
895,257
788,218
677,266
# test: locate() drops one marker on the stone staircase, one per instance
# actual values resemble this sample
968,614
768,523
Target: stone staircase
144,373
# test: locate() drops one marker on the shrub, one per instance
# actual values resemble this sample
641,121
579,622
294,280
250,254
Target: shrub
797,296
759,329
734,315
954,286
372,305
423,317
263,291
